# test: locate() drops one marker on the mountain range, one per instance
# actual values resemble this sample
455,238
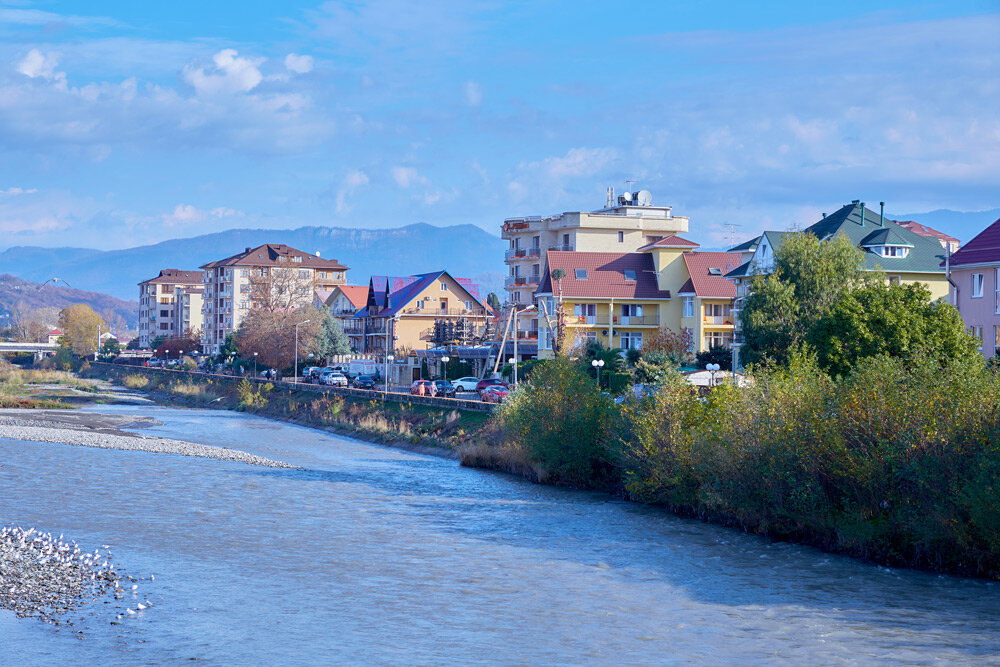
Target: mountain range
464,250
23,298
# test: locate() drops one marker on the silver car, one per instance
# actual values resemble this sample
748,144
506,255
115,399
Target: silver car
333,379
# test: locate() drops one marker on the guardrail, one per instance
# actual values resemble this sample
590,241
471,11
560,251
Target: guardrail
378,394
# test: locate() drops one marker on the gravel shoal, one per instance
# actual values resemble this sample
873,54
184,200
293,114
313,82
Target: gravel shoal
38,428
48,578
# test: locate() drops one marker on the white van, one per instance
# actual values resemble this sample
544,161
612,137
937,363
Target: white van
358,367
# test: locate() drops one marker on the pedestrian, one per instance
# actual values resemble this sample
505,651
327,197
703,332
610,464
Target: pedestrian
434,389
242,372
420,389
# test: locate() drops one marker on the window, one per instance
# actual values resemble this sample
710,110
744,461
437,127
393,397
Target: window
621,239
893,280
164,313
996,291
584,338
977,285
297,259
444,287
468,305
688,307
977,333
996,335
245,288
164,299
321,275
164,326
303,273
566,241
585,312
419,304
631,310
714,271
631,340
581,274
653,239
629,274
717,309
895,251
713,338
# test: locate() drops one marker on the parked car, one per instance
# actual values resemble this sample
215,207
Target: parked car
445,388
490,382
415,387
494,394
334,379
364,382
466,384
307,372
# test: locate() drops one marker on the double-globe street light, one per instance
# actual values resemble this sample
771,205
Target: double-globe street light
444,360
713,369
296,377
598,364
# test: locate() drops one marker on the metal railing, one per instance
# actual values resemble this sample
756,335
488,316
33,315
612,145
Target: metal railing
562,247
718,319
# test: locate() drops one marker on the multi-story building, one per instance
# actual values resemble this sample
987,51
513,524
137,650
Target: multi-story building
166,305
416,312
624,225
622,300
344,301
271,276
905,256
975,287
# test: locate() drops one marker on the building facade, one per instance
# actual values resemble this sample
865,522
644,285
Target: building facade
975,287
344,302
270,276
170,305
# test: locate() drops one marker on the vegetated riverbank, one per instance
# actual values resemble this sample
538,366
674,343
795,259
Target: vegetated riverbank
430,429
39,388
898,463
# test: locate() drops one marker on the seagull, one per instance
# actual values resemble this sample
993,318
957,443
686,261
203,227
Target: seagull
135,587
130,612
140,606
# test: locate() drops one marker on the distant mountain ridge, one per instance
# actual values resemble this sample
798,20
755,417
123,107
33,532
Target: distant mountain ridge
464,250
26,297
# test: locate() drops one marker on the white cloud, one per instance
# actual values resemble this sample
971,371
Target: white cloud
407,176
13,192
473,93
184,214
298,64
36,64
225,212
351,182
232,74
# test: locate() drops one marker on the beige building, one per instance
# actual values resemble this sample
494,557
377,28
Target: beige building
170,305
271,276
625,224
344,301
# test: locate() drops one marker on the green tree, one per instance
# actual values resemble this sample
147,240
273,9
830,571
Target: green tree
809,276
892,320
716,354
493,301
331,338
80,326
110,349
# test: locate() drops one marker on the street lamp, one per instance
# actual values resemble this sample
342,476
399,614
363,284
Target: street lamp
444,360
295,378
598,364
255,365
713,369
388,359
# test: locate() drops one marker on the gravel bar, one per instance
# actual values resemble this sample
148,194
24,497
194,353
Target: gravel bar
39,428
45,577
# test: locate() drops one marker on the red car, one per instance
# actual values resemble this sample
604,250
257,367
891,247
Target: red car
490,382
494,394
415,387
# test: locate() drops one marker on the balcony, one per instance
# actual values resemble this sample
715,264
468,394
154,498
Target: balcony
531,334
638,320
718,320
562,248
441,312
514,281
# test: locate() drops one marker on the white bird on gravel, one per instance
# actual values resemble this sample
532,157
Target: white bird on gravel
135,587
140,606
130,612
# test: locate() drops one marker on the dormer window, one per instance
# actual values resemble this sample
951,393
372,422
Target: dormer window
894,251
581,274
714,271
629,274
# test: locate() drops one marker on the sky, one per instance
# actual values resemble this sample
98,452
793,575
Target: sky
126,123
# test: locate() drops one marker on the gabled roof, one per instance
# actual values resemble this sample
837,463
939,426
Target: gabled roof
277,254
858,223
924,230
175,277
885,237
984,248
672,241
605,275
746,246
707,283
322,295
742,271
356,294
390,294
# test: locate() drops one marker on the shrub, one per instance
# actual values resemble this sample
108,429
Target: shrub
135,381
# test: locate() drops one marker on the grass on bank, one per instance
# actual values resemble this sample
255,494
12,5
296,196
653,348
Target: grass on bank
19,388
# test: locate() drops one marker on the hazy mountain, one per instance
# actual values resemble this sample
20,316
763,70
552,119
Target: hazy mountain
963,225
24,297
464,250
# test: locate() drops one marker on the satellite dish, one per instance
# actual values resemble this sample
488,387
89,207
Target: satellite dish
627,196
644,197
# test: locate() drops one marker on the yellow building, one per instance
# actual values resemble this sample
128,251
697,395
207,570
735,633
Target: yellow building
623,300
417,312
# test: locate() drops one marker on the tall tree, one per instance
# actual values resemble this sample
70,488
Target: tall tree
331,338
271,334
80,326
809,276
493,301
893,320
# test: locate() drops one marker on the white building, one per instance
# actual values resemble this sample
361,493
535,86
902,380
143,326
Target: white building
166,303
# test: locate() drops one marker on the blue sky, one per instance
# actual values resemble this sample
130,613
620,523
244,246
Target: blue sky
123,123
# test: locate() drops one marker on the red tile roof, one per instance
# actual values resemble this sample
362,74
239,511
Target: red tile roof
269,254
703,282
605,275
924,230
356,294
984,248
672,241
175,277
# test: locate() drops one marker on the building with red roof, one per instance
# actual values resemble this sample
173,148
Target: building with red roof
949,243
974,274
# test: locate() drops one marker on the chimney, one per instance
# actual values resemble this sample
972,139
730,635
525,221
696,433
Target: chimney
862,213
881,214
248,249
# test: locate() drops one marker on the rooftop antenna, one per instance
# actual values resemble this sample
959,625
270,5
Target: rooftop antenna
732,232
628,184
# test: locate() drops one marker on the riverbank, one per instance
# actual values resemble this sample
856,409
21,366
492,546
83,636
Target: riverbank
428,429
106,432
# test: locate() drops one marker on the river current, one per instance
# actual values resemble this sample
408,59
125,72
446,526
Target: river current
379,556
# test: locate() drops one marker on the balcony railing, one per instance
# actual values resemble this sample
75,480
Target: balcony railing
511,281
442,311
638,320
716,320
531,334
564,247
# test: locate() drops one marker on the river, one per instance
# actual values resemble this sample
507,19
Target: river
380,556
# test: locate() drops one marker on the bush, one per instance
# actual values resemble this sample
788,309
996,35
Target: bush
135,381
564,424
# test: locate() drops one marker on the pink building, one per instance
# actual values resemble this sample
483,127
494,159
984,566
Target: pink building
975,287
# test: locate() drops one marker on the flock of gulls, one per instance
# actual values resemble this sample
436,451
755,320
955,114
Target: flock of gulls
44,576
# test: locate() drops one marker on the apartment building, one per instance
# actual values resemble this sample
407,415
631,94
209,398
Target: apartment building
344,301
271,276
975,287
623,225
905,255
622,300
417,312
170,305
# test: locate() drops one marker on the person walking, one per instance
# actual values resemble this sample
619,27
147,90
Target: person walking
433,388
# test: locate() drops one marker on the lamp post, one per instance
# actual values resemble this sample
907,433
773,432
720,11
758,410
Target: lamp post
296,377
97,349
598,364
388,359
444,360
713,369
255,365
